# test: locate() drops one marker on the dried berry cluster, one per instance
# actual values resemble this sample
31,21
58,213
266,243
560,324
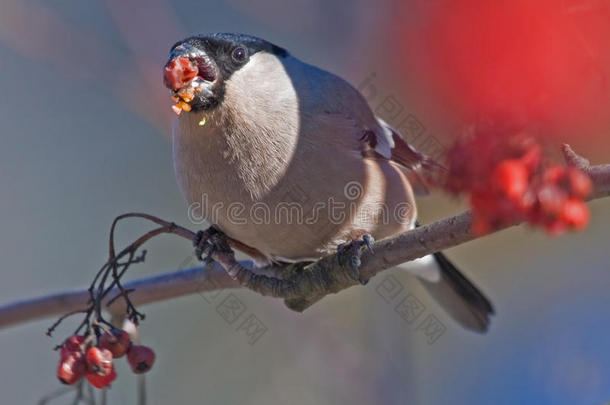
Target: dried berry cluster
90,350
80,358
509,180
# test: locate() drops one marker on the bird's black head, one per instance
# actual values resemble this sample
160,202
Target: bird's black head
198,67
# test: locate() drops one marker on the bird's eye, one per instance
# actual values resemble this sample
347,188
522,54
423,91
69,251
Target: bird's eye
239,54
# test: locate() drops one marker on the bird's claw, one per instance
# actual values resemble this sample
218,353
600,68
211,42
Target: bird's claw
354,259
207,242
368,241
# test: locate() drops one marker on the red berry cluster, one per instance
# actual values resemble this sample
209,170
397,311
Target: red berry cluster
79,358
508,181
560,200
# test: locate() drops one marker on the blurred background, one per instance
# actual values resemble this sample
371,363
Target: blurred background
85,137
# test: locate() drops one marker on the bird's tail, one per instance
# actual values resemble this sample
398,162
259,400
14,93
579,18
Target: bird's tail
458,296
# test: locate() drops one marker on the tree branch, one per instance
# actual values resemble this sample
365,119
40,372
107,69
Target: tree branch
300,285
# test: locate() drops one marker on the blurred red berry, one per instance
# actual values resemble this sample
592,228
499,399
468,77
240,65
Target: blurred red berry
575,214
102,380
511,177
551,199
581,185
140,358
554,174
556,227
117,341
71,368
481,202
532,158
504,173
480,226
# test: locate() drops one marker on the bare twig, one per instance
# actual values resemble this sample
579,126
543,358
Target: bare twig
300,285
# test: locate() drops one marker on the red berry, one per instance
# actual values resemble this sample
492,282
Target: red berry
482,203
117,341
102,380
100,371
555,228
480,226
179,72
551,199
554,174
532,158
511,176
71,368
581,185
503,172
140,358
99,361
575,214
71,345
528,202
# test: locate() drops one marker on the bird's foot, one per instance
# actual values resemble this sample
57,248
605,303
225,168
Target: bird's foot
209,241
352,251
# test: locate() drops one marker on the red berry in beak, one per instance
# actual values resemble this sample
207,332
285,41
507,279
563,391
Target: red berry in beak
179,72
